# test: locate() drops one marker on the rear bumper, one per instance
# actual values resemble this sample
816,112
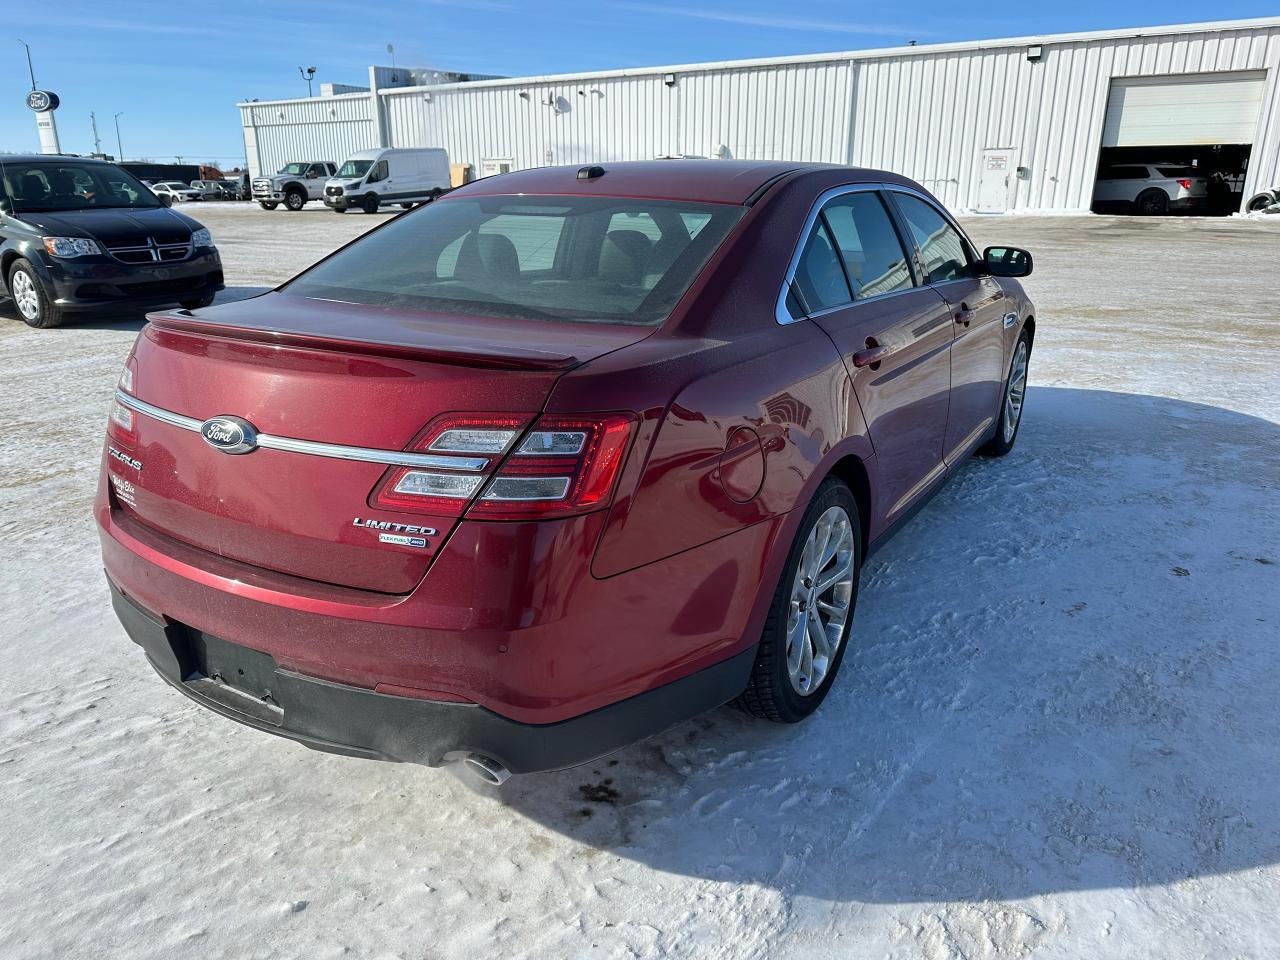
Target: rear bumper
358,722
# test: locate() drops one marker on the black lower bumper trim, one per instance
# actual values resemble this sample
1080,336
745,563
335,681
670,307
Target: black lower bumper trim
247,686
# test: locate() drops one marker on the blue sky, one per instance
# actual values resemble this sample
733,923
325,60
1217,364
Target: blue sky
176,74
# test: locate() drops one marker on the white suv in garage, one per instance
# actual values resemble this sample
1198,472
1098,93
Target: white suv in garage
1150,188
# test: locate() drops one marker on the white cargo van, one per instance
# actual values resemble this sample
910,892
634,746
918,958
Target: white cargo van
371,178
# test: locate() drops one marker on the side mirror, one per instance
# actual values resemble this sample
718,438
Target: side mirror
6,207
1006,262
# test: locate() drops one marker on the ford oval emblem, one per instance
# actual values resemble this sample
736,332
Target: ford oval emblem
230,434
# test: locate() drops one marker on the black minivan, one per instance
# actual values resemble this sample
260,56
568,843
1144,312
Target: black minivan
81,235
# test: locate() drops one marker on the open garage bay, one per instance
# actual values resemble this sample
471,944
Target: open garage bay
1056,729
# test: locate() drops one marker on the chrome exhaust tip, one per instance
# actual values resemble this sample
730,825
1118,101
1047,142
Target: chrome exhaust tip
487,769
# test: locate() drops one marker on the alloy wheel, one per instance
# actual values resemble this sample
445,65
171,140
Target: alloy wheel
821,596
25,295
1016,392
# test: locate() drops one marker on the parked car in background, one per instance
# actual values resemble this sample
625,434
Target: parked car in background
371,178
78,236
294,185
176,190
1266,200
229,189
208,189
557,460
1150,189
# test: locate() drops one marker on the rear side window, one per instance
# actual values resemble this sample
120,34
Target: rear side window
588,259
941,247
867,244
819,278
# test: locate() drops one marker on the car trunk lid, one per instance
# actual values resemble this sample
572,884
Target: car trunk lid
323,374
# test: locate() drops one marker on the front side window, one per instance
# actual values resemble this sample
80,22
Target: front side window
536,258
54,187
943,251
867,244
379,172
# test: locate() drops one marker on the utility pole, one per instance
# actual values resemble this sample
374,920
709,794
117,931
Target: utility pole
119,147
307,74
30,69
97,144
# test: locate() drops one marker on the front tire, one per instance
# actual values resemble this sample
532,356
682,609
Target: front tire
807,630
369,204
1260,203
267,205
33,304
1015,395
295,200
198,303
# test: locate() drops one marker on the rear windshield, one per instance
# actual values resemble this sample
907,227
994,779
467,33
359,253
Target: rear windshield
1178,172
589,259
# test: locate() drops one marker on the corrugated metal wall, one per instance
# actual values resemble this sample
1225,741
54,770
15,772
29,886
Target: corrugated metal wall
323,128
928,115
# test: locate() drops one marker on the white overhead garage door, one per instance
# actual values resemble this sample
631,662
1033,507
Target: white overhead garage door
1191,108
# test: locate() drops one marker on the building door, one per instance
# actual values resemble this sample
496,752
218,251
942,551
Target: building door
997,175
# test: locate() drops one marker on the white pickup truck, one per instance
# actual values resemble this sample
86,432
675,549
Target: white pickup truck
294,185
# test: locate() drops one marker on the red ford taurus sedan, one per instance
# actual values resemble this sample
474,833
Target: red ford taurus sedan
557,460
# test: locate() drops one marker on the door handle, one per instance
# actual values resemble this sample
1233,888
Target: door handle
964,315
872,355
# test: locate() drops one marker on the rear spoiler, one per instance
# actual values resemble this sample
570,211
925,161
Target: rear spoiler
444,348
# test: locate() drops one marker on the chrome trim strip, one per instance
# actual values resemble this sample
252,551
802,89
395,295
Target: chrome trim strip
334,451
157,413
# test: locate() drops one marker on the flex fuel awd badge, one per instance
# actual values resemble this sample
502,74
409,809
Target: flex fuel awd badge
401,540
401,534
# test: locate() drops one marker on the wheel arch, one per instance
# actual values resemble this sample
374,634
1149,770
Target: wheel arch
853,472
1030,327
7,260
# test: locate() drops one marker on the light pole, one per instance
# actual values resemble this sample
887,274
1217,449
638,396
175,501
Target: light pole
30,69
119,146
307,74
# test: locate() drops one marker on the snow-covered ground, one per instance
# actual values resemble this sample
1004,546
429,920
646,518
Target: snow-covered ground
1056,734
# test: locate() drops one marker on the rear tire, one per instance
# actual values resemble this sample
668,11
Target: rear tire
1012,401
1152,203
793,672
369,204
29,297
295,200
267,205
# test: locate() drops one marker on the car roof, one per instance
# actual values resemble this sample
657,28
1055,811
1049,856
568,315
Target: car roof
710,181
49,158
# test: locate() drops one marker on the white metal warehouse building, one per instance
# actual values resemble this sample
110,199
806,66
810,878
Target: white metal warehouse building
993,125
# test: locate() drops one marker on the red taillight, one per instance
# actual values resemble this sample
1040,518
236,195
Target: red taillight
563,466
121,421
1185,184
469,447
